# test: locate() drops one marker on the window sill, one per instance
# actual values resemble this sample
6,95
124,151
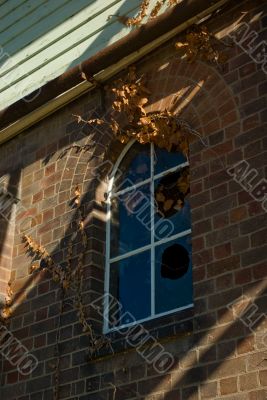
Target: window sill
161,329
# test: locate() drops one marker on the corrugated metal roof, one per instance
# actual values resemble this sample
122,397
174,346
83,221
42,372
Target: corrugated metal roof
41,39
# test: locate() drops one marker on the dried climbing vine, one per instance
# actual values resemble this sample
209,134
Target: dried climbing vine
70,279
130,120
201,44
146,12
6,310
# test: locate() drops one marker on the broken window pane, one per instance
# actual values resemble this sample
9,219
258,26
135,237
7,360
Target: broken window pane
165,160
172,204
173,275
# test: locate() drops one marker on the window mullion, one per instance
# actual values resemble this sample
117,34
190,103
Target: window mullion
132,187
107,268
170,170
152,232
130,253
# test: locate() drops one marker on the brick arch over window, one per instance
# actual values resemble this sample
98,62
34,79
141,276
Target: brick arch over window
197,92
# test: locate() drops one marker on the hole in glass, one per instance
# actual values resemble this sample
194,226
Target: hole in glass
175,262
169,198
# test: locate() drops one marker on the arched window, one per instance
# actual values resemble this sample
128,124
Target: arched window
148,243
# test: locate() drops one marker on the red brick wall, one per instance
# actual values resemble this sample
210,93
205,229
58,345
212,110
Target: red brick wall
218,354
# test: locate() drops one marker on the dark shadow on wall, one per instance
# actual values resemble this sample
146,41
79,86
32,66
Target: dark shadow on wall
232,337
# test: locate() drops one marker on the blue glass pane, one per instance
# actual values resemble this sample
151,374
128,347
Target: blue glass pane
172,209
173,275
165,160
130,221
134,168
130,285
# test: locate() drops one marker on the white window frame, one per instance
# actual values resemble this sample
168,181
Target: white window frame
151,246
